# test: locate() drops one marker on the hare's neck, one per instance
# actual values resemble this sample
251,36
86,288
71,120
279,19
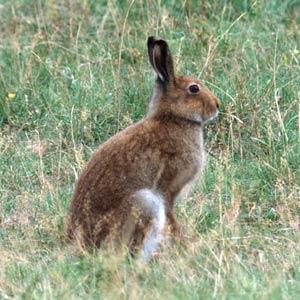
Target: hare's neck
182,121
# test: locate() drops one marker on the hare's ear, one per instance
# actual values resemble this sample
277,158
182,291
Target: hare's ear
161,60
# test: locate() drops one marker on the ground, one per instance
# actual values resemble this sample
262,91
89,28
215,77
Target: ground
73,73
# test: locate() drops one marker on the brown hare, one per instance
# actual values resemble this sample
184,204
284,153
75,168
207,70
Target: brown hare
127,191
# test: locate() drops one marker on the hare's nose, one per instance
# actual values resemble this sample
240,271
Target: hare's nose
217,103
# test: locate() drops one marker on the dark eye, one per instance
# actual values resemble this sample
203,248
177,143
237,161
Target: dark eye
194,88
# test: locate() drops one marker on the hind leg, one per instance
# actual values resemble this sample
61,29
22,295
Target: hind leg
174,227
148,232
138,234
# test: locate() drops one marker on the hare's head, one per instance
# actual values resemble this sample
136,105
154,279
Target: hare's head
180,96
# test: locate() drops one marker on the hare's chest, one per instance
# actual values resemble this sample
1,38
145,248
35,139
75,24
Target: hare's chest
185,180
191,170
186,173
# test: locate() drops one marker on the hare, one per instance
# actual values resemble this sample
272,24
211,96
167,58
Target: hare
127,191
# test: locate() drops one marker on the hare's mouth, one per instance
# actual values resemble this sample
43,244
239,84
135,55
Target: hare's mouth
212,118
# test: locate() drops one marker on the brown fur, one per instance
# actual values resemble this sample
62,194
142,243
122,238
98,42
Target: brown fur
163,152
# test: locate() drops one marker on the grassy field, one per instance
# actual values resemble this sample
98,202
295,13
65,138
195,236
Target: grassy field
73,73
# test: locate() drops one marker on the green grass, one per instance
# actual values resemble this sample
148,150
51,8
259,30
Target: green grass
80,73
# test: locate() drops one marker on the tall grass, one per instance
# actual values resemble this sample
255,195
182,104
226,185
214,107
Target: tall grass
73,73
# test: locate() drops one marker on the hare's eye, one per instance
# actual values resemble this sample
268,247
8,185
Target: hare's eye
194,89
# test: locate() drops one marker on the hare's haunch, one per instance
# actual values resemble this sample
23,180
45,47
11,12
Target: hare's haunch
126,193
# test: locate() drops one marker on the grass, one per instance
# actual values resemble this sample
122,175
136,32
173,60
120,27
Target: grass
73,73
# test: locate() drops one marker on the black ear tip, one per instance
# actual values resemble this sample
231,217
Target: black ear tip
152,40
